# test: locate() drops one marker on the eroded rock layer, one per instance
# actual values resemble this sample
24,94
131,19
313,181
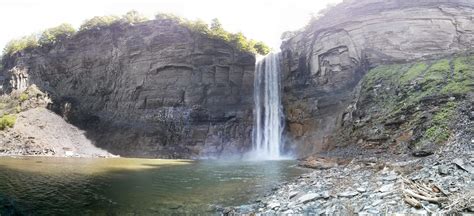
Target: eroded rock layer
154,89
323,64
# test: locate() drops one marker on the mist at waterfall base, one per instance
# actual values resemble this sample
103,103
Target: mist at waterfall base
268,115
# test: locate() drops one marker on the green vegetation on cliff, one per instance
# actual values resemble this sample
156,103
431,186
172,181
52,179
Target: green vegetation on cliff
7,121
66,31
23,97
16,102
98,22
414,103
462,76
56,34
440,129
217,31
16,45
8,108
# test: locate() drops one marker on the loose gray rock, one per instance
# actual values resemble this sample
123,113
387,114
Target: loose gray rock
443,170
361,189
325,194
349,193
308,197
293,194
386,188
273,206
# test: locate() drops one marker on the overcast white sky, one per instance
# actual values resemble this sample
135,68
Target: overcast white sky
258,19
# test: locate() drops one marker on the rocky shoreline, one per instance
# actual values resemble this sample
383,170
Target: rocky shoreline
441,183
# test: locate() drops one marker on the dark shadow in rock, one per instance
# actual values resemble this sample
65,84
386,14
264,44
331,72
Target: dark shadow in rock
422,153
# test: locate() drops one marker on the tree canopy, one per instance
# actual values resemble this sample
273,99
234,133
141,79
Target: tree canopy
53,35
22,43
215,30
133,17
98,22
65,31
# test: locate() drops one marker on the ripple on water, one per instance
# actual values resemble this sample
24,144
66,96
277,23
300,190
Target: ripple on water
111,186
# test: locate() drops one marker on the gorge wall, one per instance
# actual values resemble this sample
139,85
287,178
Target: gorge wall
159,89
323,64
153,89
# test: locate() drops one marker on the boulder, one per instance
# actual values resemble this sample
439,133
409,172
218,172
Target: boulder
319,163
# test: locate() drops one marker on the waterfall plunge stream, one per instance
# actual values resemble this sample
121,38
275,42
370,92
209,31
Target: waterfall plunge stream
267,127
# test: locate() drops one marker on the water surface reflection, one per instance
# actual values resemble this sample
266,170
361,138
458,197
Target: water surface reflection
45,186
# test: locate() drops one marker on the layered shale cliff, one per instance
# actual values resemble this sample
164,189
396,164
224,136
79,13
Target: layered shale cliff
324,64
368,72
153,89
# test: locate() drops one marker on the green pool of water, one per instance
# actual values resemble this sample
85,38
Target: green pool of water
67,186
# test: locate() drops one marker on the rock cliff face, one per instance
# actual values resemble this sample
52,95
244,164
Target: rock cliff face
154,89
323,64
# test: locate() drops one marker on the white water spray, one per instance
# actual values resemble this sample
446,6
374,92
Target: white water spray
267,128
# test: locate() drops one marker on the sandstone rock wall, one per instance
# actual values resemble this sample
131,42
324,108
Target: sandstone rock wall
323,64
154,89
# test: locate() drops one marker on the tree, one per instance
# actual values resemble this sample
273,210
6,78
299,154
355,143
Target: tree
53,35
216,25
262,48
198,26
23,43
98,22
218,31
133,17
239,40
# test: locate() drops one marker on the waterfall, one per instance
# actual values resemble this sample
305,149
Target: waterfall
267,127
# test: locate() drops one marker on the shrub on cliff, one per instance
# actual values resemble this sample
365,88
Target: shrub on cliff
23,43
53,35
198,26
7,121
99,22
241,42
23,97
262,48
65,31
133,17
238,39
217,31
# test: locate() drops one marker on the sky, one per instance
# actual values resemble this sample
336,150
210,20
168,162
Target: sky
263,20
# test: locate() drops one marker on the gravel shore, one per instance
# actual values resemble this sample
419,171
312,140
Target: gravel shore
440,183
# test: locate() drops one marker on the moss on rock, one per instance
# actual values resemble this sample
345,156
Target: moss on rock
421,99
